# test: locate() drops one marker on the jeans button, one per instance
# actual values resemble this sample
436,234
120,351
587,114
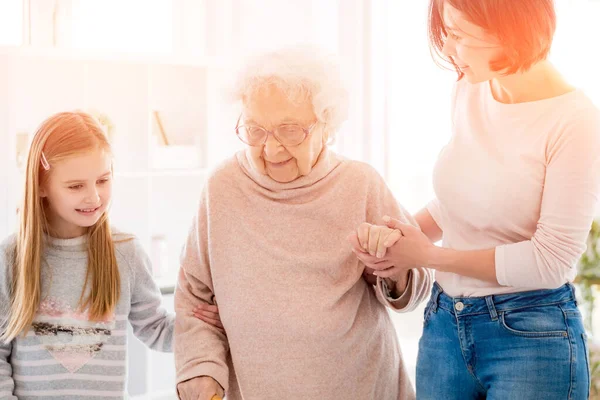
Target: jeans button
459,306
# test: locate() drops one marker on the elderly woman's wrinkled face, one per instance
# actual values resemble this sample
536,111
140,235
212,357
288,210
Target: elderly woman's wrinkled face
270,108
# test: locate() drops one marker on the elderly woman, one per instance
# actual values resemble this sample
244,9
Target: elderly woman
269,245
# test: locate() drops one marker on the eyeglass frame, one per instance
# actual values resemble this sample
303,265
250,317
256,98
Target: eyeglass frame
307,132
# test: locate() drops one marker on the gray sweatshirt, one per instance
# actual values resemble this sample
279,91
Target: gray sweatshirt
65,355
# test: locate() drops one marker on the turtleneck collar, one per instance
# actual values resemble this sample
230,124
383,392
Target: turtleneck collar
326,163
70,248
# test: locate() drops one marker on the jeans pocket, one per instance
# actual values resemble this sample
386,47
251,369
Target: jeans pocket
535,322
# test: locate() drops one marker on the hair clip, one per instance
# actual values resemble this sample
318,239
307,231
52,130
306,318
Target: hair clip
45,163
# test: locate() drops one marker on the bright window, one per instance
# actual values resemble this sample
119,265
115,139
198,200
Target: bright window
123,25
11,22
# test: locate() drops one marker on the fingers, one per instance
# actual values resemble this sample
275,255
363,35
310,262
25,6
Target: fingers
212,321
200,388
220,391
209,314
373,239
207,307
391,222
392,238
387,273
363,235
373,262
397,224
387,237
384,238
374,233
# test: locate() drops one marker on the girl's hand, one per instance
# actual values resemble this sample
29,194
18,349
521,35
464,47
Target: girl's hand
209,314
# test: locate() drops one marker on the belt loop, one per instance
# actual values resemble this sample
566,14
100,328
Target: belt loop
436,297
573,292
490,304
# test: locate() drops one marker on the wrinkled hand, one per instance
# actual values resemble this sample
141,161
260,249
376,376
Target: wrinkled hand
374,266
374,238
200,388
410,250
209,314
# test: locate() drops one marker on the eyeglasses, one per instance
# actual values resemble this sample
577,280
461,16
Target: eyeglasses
286,134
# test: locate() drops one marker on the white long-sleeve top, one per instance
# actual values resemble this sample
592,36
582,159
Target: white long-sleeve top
521,178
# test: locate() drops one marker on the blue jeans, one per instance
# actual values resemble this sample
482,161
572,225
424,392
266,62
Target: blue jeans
522,346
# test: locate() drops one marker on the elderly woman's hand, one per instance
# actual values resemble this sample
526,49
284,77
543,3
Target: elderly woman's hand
200,388
371,263
374,238
389,252
412,250
209,314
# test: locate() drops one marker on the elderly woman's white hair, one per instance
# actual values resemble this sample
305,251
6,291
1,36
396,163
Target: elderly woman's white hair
302,73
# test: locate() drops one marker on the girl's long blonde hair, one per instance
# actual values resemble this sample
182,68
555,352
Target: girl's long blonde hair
61,136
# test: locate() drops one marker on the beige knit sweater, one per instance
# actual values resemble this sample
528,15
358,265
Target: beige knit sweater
300,321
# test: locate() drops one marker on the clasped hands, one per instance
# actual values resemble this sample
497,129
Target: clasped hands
391,250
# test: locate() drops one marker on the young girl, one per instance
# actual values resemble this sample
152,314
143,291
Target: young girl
68,283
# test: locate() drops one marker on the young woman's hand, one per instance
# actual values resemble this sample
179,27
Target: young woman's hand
413,249
405,247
